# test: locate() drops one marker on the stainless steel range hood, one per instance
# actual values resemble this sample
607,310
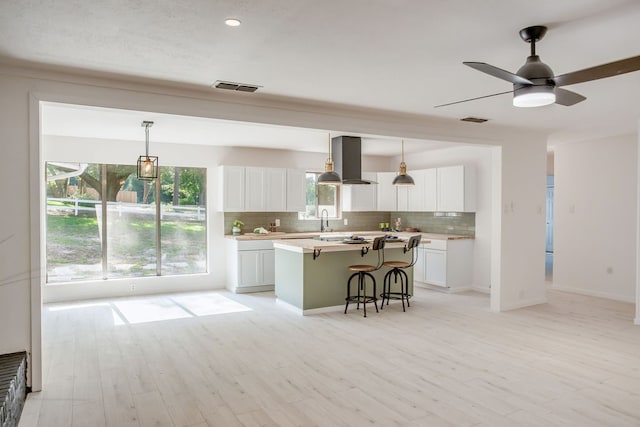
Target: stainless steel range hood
347,159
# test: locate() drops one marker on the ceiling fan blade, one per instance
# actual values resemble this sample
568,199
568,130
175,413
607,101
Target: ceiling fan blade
568,98
473,99
498,72
599,72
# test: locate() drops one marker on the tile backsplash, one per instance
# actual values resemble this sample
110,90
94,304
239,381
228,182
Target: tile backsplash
433,222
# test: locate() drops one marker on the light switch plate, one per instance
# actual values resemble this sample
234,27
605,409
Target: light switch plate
277,222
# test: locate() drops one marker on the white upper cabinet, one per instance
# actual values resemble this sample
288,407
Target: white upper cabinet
360,197
256,189
387,193
275,190
456,189
296,190
422,196
265,189
231,188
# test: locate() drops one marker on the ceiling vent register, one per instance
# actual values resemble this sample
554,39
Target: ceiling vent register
474,120
239,87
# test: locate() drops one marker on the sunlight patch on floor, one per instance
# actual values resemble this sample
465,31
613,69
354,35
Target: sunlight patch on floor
138,310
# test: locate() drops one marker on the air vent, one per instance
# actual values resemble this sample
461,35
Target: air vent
240,87
474,120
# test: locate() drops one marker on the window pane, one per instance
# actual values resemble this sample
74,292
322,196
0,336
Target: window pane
131,223
327,199
320,197
184,233
74,251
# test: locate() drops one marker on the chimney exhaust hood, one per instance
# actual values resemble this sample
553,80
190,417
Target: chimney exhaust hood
347,158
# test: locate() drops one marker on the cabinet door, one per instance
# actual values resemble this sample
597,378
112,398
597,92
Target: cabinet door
254,190
249,268
268,267
387,193
232,188
436,267
419,268
451,189
416,193
296,190
274,189
403,198
430,192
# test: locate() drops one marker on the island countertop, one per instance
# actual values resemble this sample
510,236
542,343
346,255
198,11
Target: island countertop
311,245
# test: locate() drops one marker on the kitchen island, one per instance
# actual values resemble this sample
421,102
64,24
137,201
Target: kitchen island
311,274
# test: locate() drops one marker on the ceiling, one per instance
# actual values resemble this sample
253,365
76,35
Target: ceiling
400,55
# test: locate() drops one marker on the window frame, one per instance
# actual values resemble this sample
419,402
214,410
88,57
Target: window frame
337,204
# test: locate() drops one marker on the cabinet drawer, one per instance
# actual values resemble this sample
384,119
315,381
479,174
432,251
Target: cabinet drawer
253,245
436,244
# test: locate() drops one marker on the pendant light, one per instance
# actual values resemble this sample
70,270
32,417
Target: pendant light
329,177
147,165
402,178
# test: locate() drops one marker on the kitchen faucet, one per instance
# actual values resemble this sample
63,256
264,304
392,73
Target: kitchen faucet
324,226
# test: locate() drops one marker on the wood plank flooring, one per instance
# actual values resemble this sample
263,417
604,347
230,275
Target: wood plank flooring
447,361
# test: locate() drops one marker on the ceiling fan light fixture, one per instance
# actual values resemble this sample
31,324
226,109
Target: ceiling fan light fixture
534,96
233,22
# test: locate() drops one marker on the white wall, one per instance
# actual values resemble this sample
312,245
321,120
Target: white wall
519,211
595,215
20,174
481,159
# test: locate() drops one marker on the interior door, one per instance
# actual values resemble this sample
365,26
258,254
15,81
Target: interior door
549,245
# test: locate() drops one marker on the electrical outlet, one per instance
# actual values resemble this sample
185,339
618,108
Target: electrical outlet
346,221
277,222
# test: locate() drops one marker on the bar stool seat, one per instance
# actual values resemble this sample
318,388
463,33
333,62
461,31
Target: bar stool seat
398,273
365,268
397,264
362,271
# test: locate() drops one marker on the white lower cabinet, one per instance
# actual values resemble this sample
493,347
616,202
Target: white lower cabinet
251,265
446,264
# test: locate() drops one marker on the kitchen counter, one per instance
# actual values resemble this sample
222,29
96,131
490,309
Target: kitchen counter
279,235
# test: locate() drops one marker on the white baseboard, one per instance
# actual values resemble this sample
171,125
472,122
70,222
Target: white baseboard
636,321
311,311
288,306
251,289
481,290
590,293
321,310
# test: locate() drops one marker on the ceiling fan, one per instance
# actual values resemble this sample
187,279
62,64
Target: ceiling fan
535,85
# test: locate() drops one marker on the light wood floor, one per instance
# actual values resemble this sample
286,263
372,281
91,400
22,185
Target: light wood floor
447,361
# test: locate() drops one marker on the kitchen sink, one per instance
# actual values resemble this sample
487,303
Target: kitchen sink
333,238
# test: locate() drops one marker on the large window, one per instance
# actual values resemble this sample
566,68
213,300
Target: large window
102,222
320,197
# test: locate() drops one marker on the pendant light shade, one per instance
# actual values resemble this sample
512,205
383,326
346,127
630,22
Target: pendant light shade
147,165
402,178
329,177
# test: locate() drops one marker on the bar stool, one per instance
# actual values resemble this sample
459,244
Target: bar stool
398,272
362,272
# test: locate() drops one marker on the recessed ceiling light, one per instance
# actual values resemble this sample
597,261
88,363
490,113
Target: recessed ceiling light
232,22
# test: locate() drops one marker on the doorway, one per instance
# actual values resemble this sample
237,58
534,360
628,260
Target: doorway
548,259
